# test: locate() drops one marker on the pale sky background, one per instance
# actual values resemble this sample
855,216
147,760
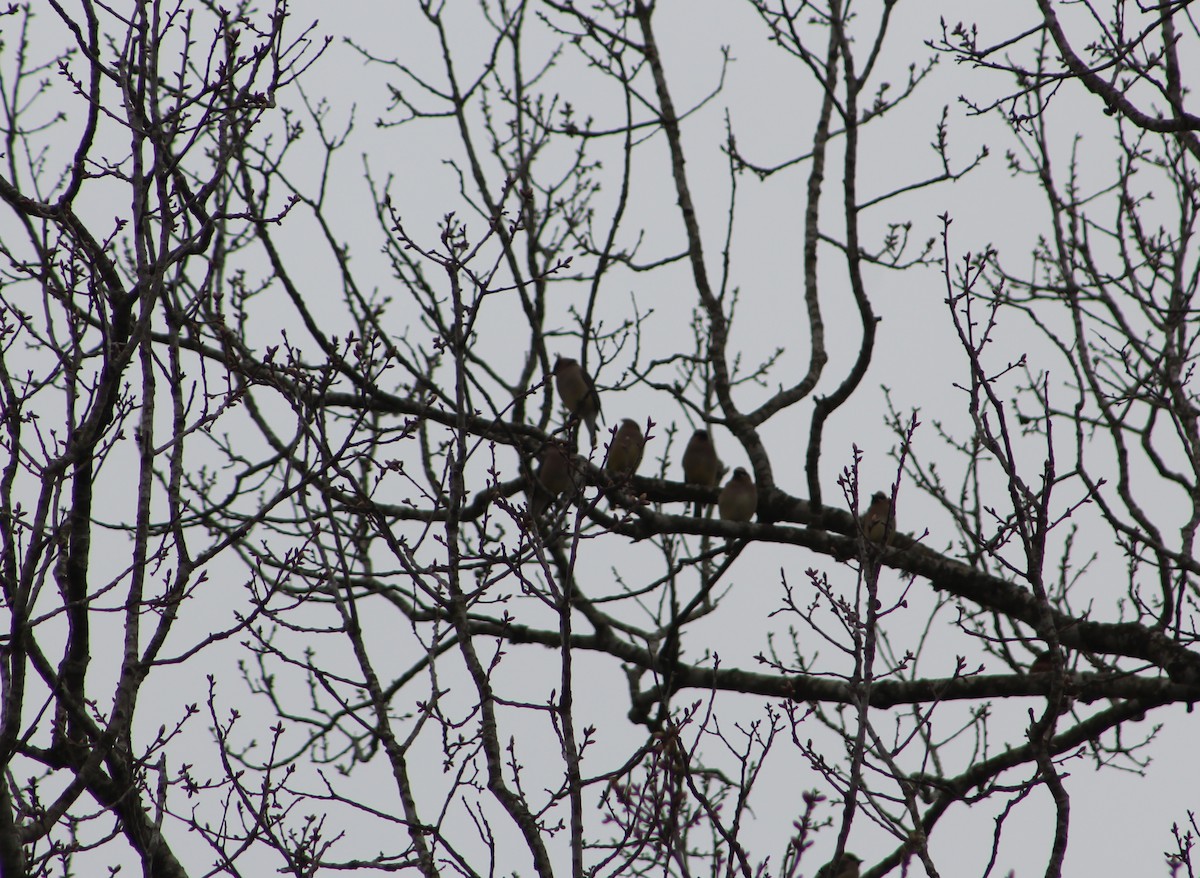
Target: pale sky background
1120,821
771,101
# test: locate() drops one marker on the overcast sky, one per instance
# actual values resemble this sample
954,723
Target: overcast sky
770,103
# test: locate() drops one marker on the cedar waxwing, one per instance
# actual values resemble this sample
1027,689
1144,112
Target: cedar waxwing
577,392
879,521
738,500
554,477
847,867
625,450
701,466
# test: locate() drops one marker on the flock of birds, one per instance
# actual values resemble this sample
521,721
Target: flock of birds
737,500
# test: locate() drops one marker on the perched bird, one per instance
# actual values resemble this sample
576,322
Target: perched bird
577,392
738,500
701,466
879,521
1042,662
554,477
847,867
625,450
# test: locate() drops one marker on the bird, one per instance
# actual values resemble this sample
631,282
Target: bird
879,521
554,477
701,466
577,392
1042,663
847,867
738,500
625,450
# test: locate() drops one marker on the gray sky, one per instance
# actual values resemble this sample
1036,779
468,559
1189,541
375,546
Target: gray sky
771,103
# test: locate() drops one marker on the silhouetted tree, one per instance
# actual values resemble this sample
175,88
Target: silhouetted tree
306,566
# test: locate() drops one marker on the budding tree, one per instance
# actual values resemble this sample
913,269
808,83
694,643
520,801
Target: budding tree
504,483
